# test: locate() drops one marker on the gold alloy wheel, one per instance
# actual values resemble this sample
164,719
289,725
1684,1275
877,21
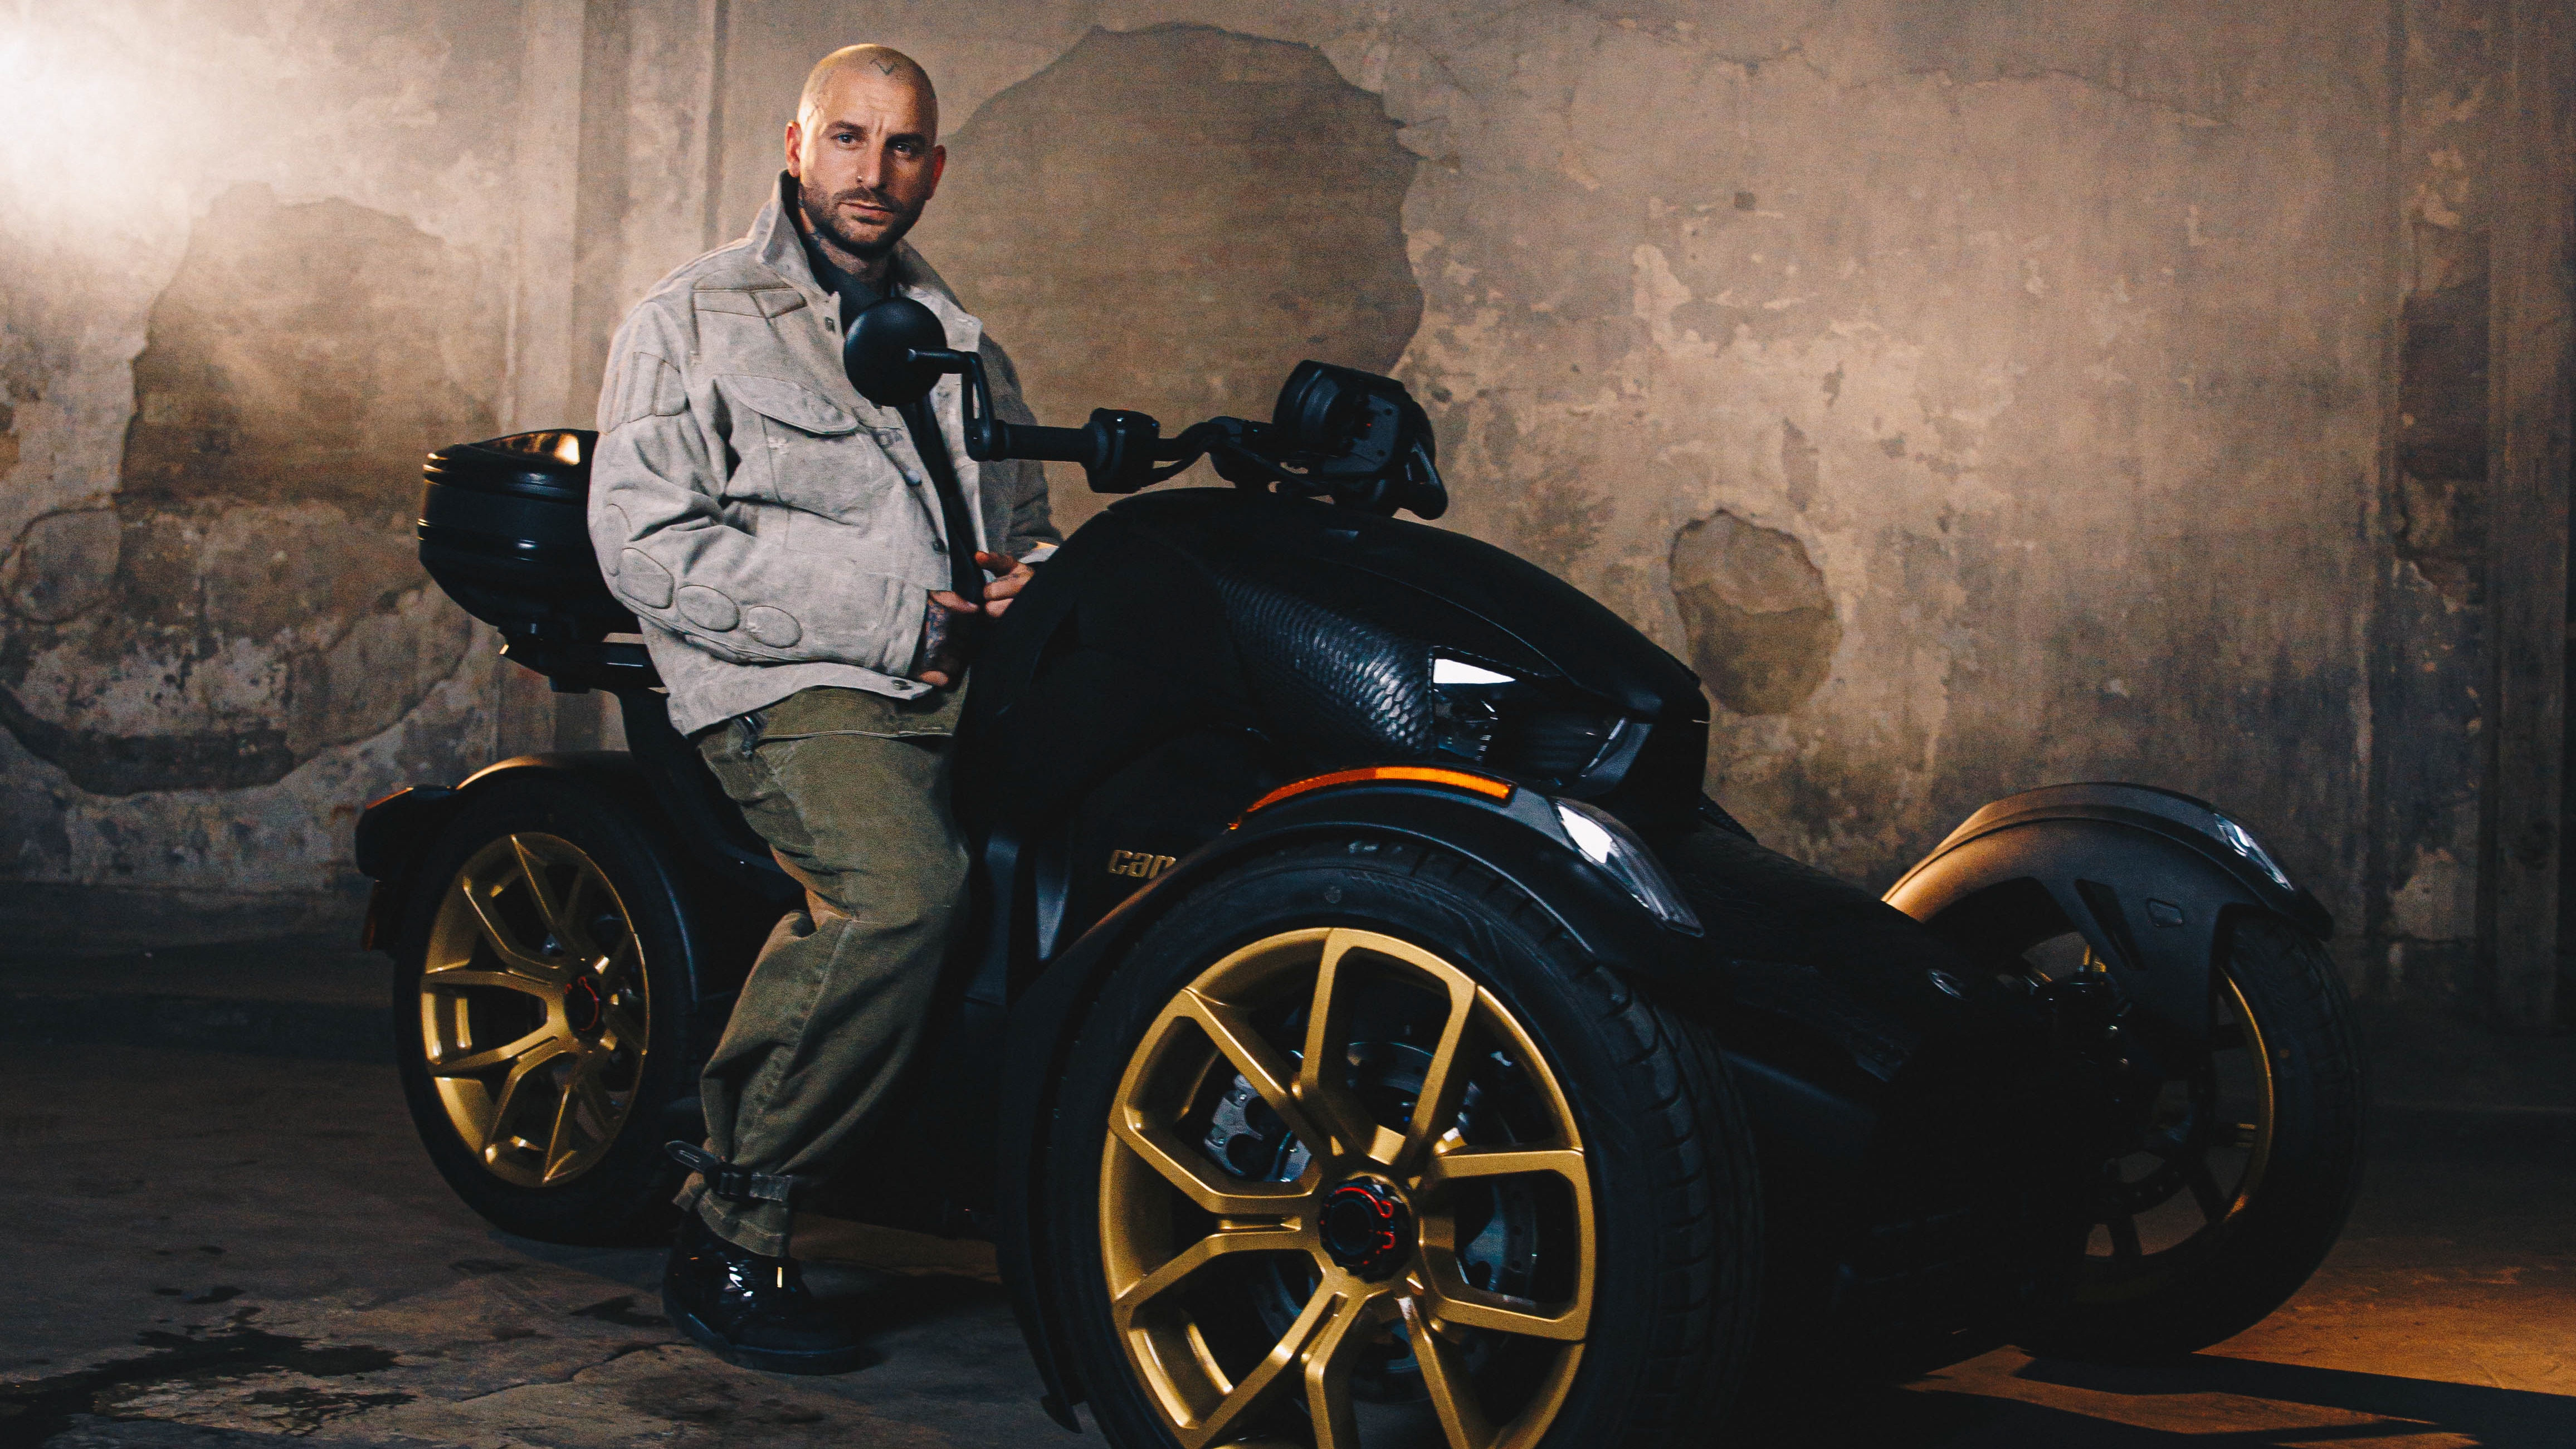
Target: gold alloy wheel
2181,1199
1368,1227
534,1009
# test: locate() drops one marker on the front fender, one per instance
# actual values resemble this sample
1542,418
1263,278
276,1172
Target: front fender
2145,875
1517,839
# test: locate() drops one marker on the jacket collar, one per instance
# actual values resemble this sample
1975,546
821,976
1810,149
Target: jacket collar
780,247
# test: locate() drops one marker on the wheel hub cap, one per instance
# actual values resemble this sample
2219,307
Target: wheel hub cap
1366,1227
583,1007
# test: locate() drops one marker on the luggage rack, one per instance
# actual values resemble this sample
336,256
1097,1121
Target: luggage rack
504,529
578,666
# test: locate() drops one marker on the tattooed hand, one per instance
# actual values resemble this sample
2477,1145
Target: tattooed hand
949,626
947,638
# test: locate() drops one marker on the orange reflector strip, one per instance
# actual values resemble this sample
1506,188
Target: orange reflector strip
1485,785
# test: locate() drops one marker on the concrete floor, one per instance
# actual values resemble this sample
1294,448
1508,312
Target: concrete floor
211,1248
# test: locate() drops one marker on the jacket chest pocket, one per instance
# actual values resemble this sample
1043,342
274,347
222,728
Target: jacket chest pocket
801,449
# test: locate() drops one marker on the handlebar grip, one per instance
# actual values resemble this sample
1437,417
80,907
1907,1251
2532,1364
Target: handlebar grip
1056,445
1115,449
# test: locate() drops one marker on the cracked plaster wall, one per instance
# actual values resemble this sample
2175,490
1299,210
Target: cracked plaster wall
282,225
2429,660
2049,333
2017,373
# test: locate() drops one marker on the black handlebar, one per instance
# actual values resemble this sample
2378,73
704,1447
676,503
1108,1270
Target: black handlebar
1354,437
1118,450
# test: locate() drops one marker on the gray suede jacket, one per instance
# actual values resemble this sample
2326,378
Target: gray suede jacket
771,528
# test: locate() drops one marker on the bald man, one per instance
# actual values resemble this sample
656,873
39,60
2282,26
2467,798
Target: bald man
782,543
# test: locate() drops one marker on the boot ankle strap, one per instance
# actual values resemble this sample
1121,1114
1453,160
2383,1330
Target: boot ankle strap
735,1184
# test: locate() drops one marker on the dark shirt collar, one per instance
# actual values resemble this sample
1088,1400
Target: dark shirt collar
854,294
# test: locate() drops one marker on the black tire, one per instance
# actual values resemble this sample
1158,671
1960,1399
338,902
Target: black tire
2279,1227
621,1194
1674,1197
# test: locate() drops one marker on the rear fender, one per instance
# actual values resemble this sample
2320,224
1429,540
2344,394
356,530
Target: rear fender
396,831
1518,839
2145,875
394,835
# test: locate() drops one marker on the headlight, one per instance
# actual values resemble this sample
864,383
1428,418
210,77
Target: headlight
1516,725
1466,704
1615,848
2242,841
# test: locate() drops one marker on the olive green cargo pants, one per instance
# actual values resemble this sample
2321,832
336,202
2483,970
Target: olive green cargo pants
850,789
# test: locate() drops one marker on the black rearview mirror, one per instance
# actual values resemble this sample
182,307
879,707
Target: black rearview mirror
1362,432
879,353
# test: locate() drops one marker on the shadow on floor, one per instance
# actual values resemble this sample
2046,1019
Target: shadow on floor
2497,1418
2400,1407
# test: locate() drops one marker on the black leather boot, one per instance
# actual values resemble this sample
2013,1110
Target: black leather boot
751,1310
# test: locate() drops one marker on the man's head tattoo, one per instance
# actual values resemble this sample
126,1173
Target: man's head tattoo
884,60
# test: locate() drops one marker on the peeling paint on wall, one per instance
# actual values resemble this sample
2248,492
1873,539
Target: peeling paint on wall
2442,416
1762,628
295,280
252,598
2044,330
9,401
2420,901
1557,520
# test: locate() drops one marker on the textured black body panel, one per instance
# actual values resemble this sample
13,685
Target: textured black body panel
1313,627
1357,681
1460,592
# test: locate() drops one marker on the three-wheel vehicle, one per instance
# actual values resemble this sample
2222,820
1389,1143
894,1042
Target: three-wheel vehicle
1369,1028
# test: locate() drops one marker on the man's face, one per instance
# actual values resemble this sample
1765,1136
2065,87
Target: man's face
866,159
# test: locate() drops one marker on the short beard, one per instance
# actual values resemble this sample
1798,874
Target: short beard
824,218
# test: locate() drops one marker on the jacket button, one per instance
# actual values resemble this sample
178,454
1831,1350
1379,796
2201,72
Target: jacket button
939,545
